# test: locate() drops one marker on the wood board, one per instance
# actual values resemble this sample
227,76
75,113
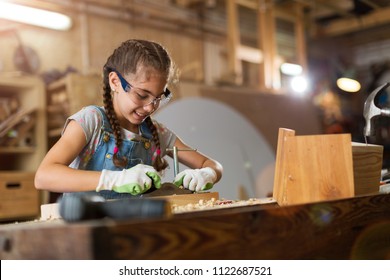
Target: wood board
313,168
50,211
359,228
367,166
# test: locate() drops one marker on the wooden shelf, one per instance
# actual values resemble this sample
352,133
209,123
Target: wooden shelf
67,96
30,91
22,153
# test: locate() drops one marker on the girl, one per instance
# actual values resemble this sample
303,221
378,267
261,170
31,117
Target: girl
117,150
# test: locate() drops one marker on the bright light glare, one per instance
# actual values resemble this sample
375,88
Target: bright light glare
299,84
291,69
35,16
348,84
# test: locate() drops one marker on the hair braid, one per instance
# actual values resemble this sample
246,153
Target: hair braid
159,163
107,101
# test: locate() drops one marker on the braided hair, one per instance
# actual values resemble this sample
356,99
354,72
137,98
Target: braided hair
126,59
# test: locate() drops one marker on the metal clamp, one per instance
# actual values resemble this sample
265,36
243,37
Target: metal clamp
175,159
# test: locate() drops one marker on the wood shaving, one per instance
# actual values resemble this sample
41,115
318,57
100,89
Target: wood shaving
213,204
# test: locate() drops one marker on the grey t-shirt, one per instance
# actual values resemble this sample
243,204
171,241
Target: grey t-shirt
91,121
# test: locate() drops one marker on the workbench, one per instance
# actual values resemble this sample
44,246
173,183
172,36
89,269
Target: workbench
353,228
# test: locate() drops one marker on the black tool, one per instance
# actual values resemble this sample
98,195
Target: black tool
75,207
166,189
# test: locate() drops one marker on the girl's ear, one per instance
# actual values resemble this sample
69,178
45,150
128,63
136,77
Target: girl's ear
114,81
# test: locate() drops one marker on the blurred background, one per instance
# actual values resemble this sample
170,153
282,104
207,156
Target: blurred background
248,68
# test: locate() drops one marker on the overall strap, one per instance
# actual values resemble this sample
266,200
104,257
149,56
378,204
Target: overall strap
145,131
106,122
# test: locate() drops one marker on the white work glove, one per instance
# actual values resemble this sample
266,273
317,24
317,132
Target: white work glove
135,180
196,179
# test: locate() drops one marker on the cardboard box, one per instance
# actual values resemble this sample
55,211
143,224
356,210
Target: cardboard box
19,199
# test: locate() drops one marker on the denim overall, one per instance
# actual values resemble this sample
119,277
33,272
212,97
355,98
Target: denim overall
136,151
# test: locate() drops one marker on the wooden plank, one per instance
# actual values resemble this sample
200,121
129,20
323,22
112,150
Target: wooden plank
250,233
349,25
249,54
314,168
248,4
279,190
367,165
268,72
184,199
50,211
355,228
233,42
300,36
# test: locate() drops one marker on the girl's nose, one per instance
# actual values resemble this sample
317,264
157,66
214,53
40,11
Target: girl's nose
150,107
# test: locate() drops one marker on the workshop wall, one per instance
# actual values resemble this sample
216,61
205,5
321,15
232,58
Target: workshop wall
201,58
87,45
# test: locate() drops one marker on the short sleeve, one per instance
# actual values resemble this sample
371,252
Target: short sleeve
166,136
90,119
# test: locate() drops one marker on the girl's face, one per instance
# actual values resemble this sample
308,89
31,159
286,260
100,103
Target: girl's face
135,103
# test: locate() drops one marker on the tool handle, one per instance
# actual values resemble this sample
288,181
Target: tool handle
385,112
175,151
88,206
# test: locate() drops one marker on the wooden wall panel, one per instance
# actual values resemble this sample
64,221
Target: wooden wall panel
56,50
92,39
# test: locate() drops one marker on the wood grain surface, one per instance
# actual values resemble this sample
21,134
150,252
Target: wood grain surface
367,165
354,228
313,168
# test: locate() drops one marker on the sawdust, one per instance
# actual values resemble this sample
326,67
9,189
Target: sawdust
214,204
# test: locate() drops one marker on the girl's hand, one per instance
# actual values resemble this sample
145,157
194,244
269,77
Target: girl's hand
196,179
135,180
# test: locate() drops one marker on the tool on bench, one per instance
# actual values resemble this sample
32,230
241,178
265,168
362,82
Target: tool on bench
175,151
166,189
75,207
170,188
371,111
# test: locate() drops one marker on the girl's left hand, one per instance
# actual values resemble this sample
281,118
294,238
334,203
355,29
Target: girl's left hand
196,179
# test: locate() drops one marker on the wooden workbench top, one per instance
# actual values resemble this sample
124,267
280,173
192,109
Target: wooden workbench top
355,228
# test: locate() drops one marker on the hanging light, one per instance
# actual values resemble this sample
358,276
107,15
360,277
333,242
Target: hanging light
34,16
348,84
299,85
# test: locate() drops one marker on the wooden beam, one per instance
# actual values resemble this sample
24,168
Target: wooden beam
233,41
250,4
300,38
249,54
343,26
268,74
